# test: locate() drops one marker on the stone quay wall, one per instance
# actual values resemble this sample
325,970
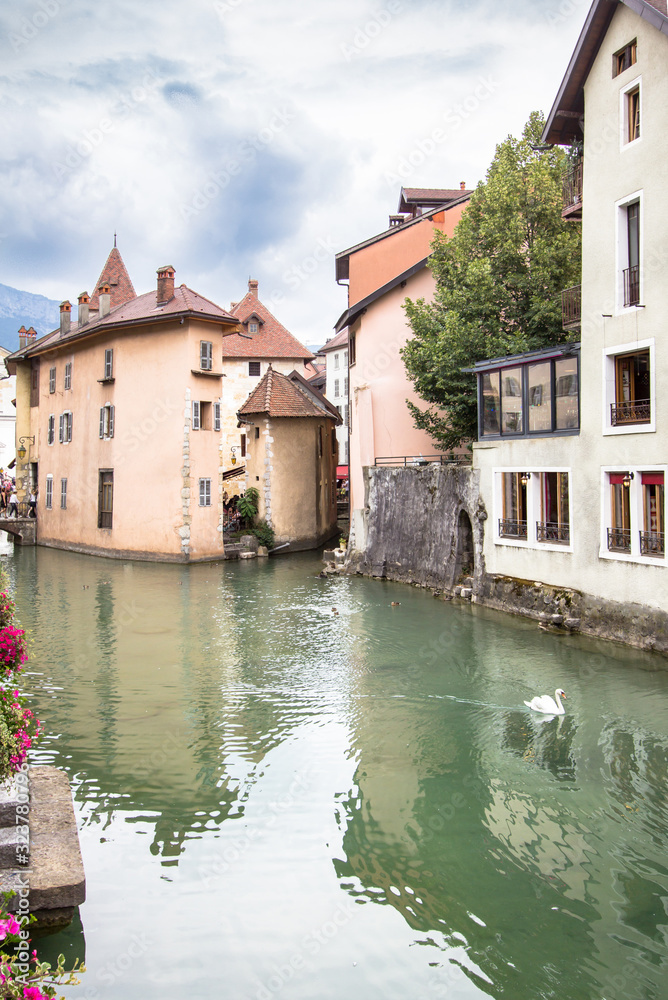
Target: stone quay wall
424,525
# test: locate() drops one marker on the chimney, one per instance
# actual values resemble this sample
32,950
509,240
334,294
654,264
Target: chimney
84,308
104,299
65,316
22,338
462,185
31,336
252,286
165,284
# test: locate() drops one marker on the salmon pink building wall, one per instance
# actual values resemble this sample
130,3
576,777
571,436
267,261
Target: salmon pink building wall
156,455
375,265
382,425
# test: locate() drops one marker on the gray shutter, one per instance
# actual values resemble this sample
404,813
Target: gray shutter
102,421
111,421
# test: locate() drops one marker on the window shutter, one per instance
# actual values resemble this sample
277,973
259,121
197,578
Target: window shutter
196,415
111,421
69,426
216,416
102,421
61,428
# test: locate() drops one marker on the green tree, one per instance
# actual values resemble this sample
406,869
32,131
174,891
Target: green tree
497,283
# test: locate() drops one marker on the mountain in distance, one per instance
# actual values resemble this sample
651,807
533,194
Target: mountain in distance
25,309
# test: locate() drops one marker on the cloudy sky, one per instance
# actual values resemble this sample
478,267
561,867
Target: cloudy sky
237,138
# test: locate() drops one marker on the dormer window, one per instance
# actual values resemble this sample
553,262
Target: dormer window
252,327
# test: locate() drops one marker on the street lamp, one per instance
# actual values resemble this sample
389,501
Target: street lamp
22,447
233,459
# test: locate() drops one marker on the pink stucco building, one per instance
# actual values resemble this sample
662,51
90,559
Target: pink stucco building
382,272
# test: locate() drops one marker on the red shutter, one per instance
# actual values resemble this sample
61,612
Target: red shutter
617,478
652,478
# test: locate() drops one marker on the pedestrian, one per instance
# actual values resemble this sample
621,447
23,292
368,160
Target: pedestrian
32,504
13,504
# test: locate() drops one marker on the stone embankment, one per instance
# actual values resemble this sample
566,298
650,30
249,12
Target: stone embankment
41,849
425,526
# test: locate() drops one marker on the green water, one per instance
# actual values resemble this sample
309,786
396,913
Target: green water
288,787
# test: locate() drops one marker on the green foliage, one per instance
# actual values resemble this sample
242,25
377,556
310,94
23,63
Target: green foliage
264,533
498,284
247,503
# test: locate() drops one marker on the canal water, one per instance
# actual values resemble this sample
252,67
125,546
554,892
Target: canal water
297,787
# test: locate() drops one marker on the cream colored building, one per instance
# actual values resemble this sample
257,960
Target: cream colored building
574,481
261,341
291,459
121,412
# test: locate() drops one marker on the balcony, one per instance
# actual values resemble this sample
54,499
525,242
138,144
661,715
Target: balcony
552,531
637,412
571,308
619,540
572,193
652,543
512,529
632,286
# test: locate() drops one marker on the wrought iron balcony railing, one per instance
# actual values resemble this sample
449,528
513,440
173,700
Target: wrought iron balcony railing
512,529
571,308
552,531
632,286
637,412
572,192
619,540
652,543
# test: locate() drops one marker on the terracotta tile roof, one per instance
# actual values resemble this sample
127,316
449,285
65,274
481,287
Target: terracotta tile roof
340,340
115,274
272,339
141,309
279,396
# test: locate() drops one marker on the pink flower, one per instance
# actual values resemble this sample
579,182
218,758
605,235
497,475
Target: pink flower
9,926
33,993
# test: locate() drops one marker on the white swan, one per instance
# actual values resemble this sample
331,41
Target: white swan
546,704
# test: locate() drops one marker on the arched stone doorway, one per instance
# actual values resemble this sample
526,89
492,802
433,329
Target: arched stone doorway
465,558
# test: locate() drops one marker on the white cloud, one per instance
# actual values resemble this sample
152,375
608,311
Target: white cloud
239,137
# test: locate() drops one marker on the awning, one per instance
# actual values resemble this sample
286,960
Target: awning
342,472
652,478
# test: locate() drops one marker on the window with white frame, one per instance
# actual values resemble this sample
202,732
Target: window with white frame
65,427
107,421
68,376
630,395
630,113
205,492
48,501
63,494
51,429
336,362
532,508
206,355
629,287
337,383
253,367
634,514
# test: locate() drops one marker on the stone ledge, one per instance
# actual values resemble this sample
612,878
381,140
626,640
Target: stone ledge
57,878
